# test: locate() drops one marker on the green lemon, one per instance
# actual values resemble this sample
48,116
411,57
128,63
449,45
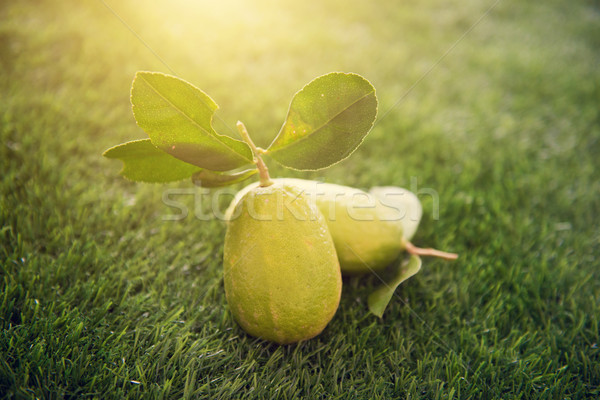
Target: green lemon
281,272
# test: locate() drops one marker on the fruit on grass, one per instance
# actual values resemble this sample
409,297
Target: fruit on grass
369,229
281,272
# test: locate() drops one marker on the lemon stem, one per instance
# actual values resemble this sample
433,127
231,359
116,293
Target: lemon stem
412,249
263,171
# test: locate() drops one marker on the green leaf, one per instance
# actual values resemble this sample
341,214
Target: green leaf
145,163
212,179
327,120
379,299
178,119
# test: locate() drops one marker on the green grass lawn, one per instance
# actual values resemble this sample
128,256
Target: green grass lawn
101,297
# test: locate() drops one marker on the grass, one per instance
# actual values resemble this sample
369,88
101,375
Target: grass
100,297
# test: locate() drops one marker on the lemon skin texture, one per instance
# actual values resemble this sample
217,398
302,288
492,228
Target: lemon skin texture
281,272
365,238
368,229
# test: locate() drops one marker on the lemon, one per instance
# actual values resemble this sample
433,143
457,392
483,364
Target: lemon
281,271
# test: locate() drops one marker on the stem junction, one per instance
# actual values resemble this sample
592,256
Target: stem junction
263,171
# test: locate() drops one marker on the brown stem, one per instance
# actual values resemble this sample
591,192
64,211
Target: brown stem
263,171
412,249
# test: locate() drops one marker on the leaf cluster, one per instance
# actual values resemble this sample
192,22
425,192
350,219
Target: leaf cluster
327,120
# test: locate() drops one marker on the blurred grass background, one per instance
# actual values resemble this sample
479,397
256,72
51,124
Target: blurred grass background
100,297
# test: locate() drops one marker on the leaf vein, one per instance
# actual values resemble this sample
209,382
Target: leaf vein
310,134
210,134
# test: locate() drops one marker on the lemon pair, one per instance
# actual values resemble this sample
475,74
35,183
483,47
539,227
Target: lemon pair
288,243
